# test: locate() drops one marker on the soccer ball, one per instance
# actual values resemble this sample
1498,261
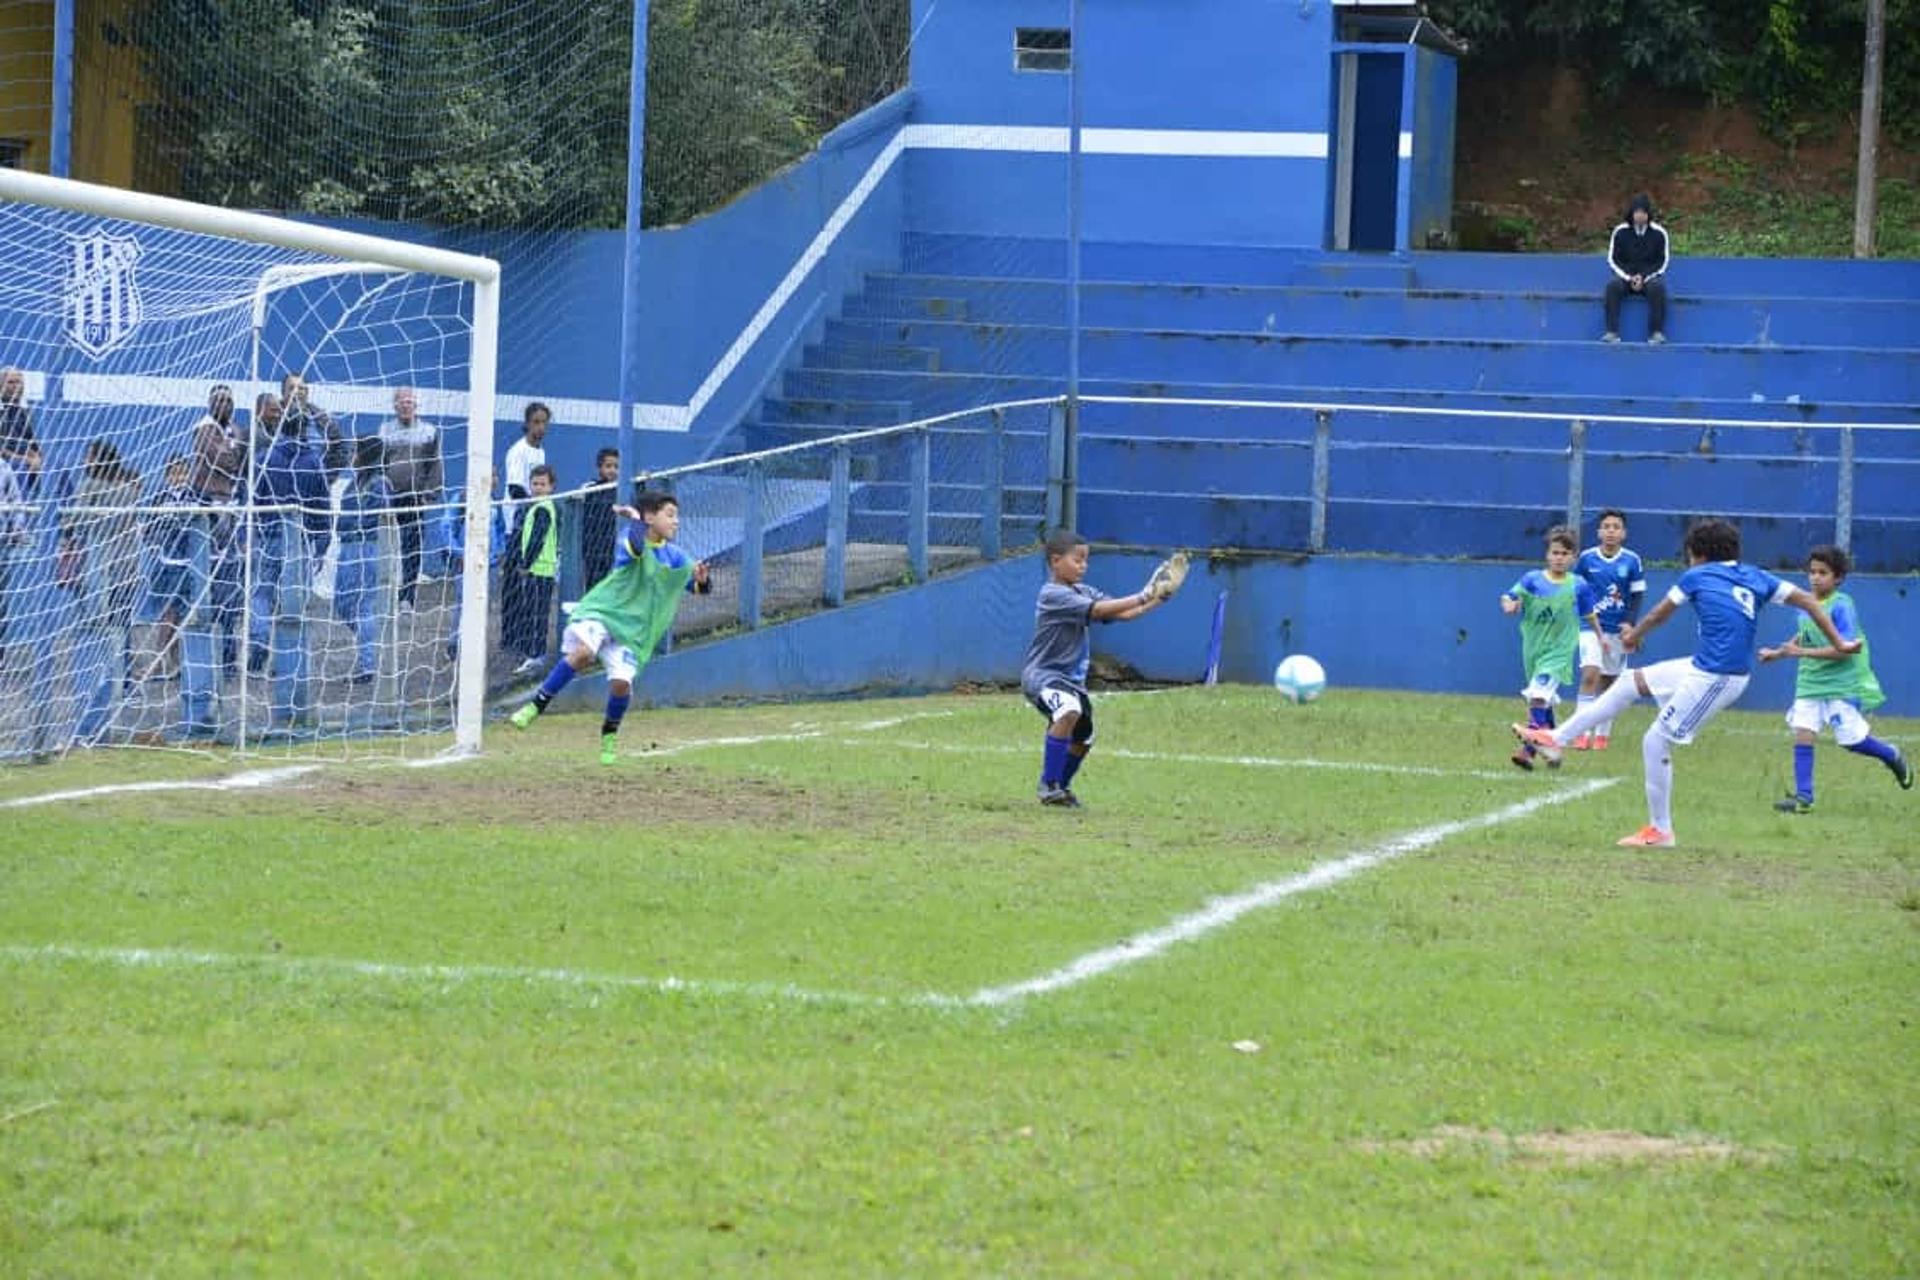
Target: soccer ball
1299,678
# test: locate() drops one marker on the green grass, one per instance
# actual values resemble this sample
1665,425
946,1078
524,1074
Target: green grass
1752,213
271,1111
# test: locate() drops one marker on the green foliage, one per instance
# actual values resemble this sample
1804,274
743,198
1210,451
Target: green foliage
738,88
1748,213
1789,59
505,115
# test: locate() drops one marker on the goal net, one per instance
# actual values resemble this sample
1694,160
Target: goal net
243,480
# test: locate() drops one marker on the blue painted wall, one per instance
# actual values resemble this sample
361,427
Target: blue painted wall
1435,83
703,283
1427,625
1144,66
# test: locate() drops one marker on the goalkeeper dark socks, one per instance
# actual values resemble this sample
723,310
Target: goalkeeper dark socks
550,687
616,710
1071,767
1054,764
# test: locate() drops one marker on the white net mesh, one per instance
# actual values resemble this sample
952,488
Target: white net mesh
230,490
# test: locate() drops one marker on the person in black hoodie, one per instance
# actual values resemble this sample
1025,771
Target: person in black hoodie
1638,256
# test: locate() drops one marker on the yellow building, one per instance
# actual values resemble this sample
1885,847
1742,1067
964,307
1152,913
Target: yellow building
110,104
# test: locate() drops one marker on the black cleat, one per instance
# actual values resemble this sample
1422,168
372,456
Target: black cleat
1522,760
1793,804
1902,770
1059,797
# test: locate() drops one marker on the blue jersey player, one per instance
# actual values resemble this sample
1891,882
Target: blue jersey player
1619,583
1727,597
1054,676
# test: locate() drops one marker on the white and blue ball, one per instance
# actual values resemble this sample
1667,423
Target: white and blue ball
1299,678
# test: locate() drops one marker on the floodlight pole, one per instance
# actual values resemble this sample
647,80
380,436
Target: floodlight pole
60,152
1069,486
1866,192
630,258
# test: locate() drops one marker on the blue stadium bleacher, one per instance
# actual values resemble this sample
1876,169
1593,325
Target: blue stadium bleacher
973,320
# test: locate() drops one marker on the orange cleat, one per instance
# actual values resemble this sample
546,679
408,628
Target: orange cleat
1580,743
1600,741
1648,837
1540,740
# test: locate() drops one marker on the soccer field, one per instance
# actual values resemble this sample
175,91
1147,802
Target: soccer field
821,990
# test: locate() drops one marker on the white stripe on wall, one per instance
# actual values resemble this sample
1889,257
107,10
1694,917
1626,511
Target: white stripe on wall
190,393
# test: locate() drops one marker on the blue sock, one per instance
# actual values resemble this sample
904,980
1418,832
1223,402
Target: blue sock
1072,767
1540,717
1803,770
1885,752
616,709
556,681
1054,765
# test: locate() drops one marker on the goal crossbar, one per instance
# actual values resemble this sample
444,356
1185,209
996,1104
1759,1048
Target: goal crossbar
358,251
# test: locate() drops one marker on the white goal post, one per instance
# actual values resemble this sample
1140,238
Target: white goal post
356,252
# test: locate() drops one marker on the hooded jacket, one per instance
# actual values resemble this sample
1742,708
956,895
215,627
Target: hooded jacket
1638,253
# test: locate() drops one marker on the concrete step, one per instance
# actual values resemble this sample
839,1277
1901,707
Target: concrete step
1590,368
949,391
1377,312
840,413
966,255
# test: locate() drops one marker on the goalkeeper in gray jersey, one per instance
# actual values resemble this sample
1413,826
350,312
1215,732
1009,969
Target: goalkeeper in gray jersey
1054,677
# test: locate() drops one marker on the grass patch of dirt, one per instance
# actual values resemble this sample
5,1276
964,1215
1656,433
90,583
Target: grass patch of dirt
1560,1147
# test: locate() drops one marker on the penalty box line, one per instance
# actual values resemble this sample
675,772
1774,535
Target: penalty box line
1216,915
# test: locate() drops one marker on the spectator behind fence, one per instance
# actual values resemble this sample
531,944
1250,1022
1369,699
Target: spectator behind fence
267,412
13,539
19,447
527,452
1638,256
356,585
288,542
176,602
411,448
316,425
219,450
599,527
531,572
98,565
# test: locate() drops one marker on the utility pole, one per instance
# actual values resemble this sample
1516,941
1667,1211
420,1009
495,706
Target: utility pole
1866,192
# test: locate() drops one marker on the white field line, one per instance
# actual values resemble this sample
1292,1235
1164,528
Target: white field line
440,760
1175,757
745,740
809,733
445,974
1224,911
1216,915
867,726
250,780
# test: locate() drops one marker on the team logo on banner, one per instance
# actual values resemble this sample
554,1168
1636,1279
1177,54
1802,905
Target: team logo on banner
103,299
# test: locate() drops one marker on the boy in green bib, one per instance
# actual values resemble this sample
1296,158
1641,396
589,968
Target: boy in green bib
620,622
1833,688
1552,603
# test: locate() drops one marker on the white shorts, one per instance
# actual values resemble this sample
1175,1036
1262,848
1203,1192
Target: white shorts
1837,714
1689,697
594,638
1609,655
1542,688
